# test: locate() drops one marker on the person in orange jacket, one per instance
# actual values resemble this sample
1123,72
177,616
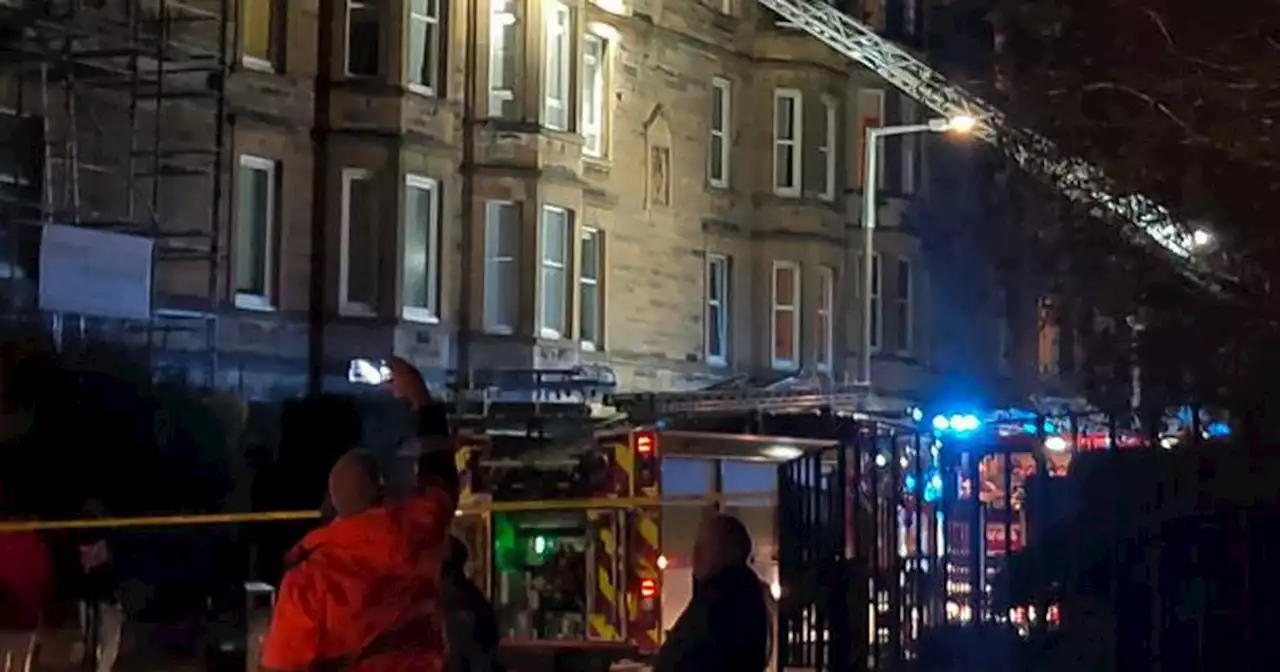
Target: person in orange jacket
364,593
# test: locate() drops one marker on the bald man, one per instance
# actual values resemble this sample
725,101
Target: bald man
355,483
725,628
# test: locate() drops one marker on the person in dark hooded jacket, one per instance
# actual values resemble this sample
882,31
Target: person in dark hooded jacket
725,628
471,628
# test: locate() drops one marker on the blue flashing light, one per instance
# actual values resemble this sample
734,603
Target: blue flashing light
916,414
1218,430
941,423
933,489
964,423
910,483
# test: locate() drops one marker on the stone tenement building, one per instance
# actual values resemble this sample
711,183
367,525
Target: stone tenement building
663,187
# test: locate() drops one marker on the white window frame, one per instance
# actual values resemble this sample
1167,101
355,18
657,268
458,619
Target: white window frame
825,355
795,143
246,300
544,264
254,62
433,26
776,307
552,104
904,301
597,287
827,149
502,13
870,98
724,89
345,305
877,302
430,313
493,259
353,6
594,117
717,266
726,7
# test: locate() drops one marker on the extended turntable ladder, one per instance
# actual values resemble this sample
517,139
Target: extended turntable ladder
1143,220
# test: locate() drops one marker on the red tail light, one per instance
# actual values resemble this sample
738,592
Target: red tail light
648,588
646,443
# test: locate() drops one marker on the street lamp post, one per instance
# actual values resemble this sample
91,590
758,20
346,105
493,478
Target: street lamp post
870,181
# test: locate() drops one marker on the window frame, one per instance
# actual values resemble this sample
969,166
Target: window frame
248,300
827,150
353,6
257,63
436,23
492,257
904,302
723,88
776,362
345,305
877,302
824,350
794,143
552,11
597,282
721,263
599,85
498,9
545,264
429,314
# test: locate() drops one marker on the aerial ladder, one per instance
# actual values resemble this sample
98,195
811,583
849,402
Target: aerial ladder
1143,220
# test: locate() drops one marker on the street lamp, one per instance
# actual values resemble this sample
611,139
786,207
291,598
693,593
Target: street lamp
960,124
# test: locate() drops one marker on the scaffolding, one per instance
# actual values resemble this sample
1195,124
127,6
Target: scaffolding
113,117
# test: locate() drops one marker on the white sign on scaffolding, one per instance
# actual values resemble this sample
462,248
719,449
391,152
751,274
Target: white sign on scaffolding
95,273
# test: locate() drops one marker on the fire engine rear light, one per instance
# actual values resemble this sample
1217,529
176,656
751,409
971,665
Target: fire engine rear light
645,443
648,588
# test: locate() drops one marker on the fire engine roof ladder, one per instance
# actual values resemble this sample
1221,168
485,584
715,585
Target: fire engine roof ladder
1145,220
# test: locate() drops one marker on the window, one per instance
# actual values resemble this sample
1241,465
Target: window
717,288
827,151
363,38
501,240
725,6
358,263
258,42
870,115
787,116
559,45
590,303
718,150
910,145
255,232
826,324
553,235
904,317
424,62
877,306
421,249
504,58
786,303
595,51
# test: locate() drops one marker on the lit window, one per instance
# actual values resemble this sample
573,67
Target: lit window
556,79
718,149
826,324
787,123
504,58
826,164
785,325
258,43
717,288
421,249
424,46
553,281
363,38
590,296
358,263
905,318
255,232
595,50
501,240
